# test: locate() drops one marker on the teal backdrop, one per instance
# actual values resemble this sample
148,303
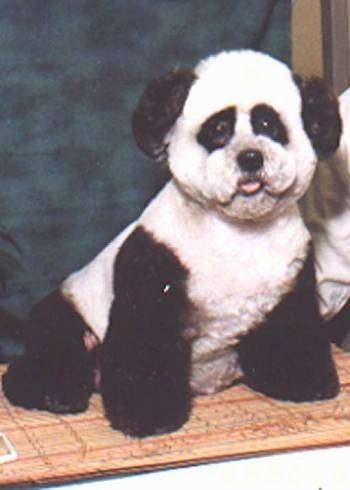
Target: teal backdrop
71,74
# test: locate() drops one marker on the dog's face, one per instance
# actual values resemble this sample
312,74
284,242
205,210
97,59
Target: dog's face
243,142
239,146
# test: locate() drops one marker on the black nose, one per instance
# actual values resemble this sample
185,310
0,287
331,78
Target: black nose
250,160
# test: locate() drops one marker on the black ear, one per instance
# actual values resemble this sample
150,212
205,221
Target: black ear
158,109
320,113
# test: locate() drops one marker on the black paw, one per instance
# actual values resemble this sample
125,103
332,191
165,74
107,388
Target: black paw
297,387
147,406
46,385
144,423
304,393
293,365
57,404
22,384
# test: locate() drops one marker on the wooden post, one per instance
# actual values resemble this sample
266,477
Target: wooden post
320,40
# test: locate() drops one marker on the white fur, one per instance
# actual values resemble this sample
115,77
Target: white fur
241,79
326,208
237,272
90,290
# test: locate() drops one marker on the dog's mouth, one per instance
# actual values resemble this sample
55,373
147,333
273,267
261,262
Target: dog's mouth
250,186
246,187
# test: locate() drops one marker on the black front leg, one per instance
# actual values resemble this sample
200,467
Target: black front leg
289,357
145,361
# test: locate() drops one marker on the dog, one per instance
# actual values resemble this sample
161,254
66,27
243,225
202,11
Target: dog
215,281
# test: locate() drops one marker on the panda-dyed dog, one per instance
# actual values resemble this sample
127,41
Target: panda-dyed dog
215,281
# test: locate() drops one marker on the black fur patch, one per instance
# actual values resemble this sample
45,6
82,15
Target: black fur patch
320,113
158,109
266,121
56,373
289,357
217,130
145,361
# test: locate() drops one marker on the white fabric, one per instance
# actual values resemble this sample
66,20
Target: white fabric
326,208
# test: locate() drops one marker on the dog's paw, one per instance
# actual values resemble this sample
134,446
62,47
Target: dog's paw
145,419
307,388
22,384
40,384
54,402
142,406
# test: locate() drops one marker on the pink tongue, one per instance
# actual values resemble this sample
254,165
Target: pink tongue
250,187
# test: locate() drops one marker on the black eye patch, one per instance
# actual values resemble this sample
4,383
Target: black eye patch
266,121
217,131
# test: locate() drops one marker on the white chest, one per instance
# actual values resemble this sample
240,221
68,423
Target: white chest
237,274
232,290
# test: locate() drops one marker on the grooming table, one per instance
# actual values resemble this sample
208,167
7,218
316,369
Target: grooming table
235,423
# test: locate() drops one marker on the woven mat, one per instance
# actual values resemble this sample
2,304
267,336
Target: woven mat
234,423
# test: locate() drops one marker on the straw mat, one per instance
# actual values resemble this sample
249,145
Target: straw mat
233,423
